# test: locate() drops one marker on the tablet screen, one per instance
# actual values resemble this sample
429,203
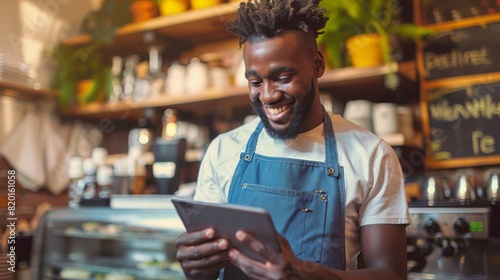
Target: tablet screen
226,219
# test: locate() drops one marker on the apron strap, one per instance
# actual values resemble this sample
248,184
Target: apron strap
247,156
331,154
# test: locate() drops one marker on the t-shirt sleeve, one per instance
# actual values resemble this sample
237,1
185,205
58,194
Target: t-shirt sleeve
386,200
207,187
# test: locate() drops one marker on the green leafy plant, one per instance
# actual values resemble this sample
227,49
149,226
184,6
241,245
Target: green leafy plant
353,17
76,63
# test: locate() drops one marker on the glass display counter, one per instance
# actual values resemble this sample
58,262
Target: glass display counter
105,243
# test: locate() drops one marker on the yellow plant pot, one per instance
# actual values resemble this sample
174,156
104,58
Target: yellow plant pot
200,4
85,95
171,7
364,50
83,86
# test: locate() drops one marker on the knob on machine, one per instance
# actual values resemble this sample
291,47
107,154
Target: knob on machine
431,227
448,249
461,226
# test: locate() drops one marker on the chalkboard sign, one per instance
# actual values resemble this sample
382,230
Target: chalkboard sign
461,52
439,11
464,122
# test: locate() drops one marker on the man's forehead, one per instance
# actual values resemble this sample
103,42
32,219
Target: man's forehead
304,41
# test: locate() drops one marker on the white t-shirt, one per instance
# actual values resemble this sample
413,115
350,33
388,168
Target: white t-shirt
374,182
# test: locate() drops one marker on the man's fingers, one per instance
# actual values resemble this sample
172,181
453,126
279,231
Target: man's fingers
194,238
202,251
250,267
262,249
205,265
254,269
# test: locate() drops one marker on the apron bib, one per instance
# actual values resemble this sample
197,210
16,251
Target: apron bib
306,199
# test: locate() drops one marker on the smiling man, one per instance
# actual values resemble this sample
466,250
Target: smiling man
335,191
283,82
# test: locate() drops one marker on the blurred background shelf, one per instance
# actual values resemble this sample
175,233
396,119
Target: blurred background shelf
345,83
191,27
12,89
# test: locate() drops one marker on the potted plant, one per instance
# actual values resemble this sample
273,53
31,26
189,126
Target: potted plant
83,68
355,24
142,10
81,76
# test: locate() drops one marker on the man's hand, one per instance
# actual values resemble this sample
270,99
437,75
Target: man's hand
200,256
277,266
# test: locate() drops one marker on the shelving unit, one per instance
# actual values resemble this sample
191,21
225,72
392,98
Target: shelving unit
346,83
198,27
192,27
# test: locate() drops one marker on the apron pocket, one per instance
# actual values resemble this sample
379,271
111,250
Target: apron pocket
299,216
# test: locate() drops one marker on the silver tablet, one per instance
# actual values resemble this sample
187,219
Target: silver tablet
226,219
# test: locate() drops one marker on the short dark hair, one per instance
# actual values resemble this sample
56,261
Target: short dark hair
269,18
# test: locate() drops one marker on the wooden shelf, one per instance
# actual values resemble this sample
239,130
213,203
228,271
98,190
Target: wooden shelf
368,83
399,139
196,103
22,91
191,27
347,83
349,74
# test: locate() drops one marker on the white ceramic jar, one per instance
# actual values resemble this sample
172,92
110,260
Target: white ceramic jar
385,118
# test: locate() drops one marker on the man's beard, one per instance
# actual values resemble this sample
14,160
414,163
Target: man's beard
299,114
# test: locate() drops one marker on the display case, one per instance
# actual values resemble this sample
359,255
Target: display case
106,243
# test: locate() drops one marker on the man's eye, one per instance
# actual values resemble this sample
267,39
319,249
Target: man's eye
255,83
285,79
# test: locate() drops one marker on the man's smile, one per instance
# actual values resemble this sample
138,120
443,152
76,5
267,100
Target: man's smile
275,114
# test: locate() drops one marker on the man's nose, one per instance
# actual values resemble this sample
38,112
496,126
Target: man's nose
269,92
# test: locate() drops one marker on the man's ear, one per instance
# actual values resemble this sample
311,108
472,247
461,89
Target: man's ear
319,64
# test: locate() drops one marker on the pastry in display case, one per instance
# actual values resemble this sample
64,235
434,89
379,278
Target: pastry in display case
106,243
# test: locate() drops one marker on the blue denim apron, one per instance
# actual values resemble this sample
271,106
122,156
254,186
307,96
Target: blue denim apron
306,199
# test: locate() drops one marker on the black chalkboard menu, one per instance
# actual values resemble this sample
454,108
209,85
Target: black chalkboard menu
460,52
464,122
440,11
459,74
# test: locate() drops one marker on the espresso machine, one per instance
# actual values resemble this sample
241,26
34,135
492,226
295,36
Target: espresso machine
453,235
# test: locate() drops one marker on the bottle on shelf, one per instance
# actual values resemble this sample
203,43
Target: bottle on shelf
99,155
89,179
150,80
75,188
105,181
157,78
116,93
142,85
169,122
142,135
129,77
